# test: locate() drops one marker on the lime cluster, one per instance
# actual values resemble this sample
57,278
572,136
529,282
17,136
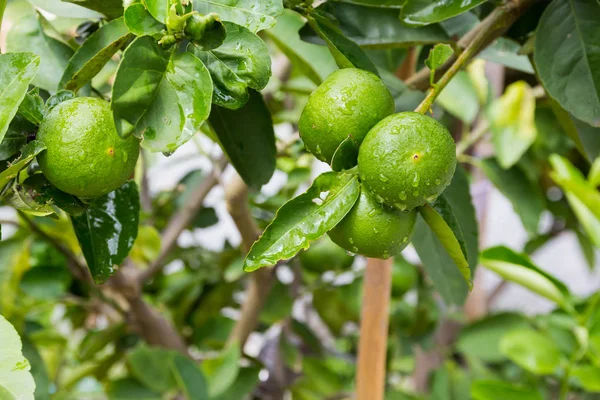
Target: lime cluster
404,160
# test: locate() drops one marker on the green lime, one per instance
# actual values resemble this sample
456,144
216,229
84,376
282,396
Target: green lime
348,103
406,160
324,255
85,156
374,230
404,277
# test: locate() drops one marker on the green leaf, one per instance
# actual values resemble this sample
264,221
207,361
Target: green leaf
63,9
130,389
460,98
567,56
438,264
531,350
189,378
305,219
15,378
518,268
506,52
512,122
251,14
244,385
338,305
222,371
38,370
16,137
316,62
96,340
152,366
23,199
499,390
425,12
32,107
28,153
583,197
110,8
53,54
248,139
525,196
172,99
241,62
158,8
587,377
93,55
48,194
346,155
45,283
108,229
140,22
16,72
438,56
379,3
441,220
347,54
594,174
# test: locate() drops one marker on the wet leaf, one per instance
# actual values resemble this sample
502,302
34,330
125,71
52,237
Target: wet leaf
305,219
16,72
252,14
424,12
28,153
140,22
93,55
15,378
531,350
241,62
107,230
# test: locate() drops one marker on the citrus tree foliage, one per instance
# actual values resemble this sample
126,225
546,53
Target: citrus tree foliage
103,299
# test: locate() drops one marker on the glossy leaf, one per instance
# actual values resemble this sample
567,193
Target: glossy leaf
316,62
499,390
53,54
512,122
248,139
441,220
16,137
32,108
438,264
110,8
525,196
347,54
251,14
140,22
346,155
518,268
16,72
241,62
28,153
173,95
15,378
108,229
93,55
531,350
567,56
305,219
424,12
153,367
158,9
189,378
222,371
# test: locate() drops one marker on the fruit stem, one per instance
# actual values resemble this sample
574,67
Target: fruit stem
372,346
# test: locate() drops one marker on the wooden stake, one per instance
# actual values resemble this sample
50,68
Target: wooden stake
372,345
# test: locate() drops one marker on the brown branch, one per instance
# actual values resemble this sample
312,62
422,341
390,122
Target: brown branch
488,30
182,220
409,65
261,281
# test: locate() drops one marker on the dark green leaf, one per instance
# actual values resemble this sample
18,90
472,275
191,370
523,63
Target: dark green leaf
531,350
130,389
140,22
107,230
93,55
57,98
16,137
23,199
48,194
53,54
222,371
189,378
248,139
305,219
32,107
424,12
346,155
498,390
153,367
110,8
173,95
337,305
28,153
241,62
252,14
38,370
16,72
567,56
347,54
526,197
45,282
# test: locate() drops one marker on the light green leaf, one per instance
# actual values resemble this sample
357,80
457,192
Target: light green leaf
438,55
531,350
152,366
189,378
28,153
587,377
567,56
93,55
110,8
424,12
54,55
15,378
460,98
305,219
594,174
506,52
158,8
518,268
140,22
244,384
254,15
173,93
130,389
16,72
499,390
512,121
222,371
241,62
63,9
